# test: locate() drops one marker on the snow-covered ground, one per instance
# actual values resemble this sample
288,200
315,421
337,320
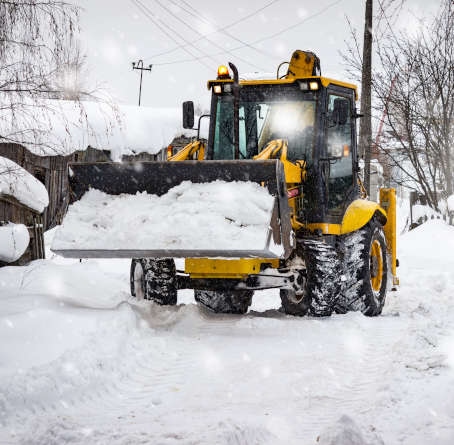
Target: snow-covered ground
83,363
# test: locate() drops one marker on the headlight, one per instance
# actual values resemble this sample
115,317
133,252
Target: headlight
313,86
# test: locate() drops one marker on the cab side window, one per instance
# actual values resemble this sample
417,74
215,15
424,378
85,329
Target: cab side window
339,143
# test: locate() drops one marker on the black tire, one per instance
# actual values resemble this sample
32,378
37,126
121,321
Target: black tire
154,280
365,283
225,302
316,290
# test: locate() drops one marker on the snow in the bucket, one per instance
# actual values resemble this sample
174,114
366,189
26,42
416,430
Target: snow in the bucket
211,216
14,239
20,184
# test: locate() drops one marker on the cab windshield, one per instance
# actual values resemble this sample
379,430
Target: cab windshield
266,113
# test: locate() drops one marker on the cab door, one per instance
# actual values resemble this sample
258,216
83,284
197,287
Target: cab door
341,152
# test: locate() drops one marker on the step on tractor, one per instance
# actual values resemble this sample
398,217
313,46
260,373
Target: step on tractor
296,135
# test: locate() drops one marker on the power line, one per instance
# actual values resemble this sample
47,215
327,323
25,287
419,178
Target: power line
259,40
197,14
230,25
148,14
208,40
298,23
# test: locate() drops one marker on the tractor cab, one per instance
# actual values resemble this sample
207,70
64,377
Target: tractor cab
311,123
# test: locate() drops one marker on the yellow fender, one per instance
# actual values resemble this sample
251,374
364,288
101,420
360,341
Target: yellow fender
359,213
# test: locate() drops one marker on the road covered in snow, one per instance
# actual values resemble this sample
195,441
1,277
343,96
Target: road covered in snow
83,363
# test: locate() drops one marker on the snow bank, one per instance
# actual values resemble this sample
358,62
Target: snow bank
217,215
17,182
450,202
67,126
422,211
430,243
14,239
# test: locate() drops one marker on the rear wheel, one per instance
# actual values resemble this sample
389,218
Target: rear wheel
154,280
225,302
366,270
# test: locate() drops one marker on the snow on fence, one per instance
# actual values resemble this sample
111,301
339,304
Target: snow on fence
22,200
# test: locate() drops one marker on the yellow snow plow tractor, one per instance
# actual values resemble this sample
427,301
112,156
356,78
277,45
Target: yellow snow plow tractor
324,245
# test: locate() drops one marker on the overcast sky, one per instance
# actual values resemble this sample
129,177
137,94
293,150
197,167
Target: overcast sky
116,33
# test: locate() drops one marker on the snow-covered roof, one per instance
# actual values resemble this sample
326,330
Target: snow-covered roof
61,127
20,184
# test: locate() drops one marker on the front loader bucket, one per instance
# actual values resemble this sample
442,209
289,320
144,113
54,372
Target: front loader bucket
157,178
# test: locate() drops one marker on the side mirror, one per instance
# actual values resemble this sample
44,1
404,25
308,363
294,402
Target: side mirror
188,114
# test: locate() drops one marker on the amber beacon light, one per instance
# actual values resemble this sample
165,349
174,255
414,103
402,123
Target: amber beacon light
223,72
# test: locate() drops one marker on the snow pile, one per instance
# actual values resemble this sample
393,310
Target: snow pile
14,239
213,216
345,432
421,212
61,127
18,183
431,243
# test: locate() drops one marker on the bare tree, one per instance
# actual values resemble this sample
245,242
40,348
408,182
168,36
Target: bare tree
39,60
420,107
413,92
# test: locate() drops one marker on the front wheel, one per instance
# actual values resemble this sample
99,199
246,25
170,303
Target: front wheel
154,280
366,270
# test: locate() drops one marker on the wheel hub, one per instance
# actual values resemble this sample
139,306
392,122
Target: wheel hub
376,265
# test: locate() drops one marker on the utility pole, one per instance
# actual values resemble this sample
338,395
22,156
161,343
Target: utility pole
365,132
139,66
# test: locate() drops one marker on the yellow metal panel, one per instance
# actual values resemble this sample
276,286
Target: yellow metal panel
326,82
358,214
301,64
388,201
210,83
220,268
293,173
